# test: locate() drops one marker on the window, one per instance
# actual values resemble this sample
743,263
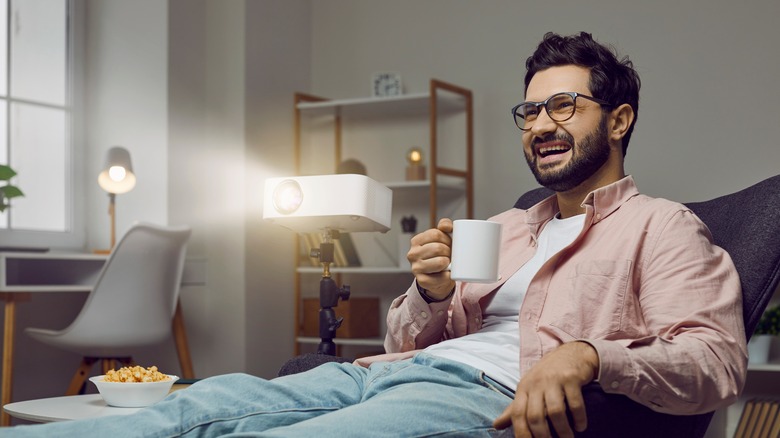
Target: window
36,134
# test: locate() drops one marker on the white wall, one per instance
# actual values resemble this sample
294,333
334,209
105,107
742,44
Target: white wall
278,62
206,172
126,104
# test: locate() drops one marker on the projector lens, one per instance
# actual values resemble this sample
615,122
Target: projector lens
288,196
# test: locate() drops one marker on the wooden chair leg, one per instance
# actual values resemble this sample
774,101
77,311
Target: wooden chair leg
182,347
77,382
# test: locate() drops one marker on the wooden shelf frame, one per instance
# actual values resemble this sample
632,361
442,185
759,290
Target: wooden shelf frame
443,98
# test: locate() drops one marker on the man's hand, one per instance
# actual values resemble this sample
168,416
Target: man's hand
429,256
551,386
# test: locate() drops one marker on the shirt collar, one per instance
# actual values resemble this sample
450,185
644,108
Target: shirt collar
598,204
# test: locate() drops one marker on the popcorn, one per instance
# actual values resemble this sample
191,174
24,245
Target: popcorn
135,374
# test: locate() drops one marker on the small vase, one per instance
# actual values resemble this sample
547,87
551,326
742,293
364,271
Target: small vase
758,348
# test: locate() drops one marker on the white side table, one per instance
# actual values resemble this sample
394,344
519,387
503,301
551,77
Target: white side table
72,407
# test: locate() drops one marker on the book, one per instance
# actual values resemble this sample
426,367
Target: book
772,421
760,419
744,419
762,409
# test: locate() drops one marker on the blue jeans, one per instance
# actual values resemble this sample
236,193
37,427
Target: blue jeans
424,396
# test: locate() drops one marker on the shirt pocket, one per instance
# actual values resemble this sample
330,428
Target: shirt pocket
593,307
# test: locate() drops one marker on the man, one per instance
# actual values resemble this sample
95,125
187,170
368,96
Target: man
634,295
601,284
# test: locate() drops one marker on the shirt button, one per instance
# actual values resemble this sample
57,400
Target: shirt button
615,384
424,314
598,216
527,317
440,312
476,319
533,243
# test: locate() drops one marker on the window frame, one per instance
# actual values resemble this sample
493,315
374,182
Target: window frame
75,235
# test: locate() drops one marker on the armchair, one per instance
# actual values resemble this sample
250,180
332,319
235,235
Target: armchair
747,225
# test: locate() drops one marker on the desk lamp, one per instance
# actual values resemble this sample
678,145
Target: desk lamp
415,169
116,177
329,204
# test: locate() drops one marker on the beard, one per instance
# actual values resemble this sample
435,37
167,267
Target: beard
586,158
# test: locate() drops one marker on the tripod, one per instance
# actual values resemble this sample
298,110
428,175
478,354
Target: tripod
330,293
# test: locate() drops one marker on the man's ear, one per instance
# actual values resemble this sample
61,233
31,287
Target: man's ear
620,120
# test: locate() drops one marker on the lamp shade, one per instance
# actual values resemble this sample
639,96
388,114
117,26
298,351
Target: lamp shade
117,175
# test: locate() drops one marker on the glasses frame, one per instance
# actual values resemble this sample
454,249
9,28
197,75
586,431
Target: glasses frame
574,95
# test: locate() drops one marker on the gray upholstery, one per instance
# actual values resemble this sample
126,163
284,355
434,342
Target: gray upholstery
747,225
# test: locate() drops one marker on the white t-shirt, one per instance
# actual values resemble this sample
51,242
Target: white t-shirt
495,348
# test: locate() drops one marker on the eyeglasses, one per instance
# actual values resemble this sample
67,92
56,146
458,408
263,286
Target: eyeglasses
560,107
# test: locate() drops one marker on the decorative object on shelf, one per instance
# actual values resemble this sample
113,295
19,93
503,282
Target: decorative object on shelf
7,191
116,177
408,229
767,329
304,204
352,166
415,169
386,84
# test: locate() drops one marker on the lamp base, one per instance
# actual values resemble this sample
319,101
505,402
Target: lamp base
415,173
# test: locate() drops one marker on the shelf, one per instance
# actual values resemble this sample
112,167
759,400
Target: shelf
406,104
402,186
378,342
355,270
771,366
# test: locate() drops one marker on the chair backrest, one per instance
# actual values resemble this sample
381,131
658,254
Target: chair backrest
747,225
135,296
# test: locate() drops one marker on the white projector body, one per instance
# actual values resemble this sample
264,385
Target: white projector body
347,203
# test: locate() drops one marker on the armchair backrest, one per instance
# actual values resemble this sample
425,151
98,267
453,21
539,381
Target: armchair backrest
747,225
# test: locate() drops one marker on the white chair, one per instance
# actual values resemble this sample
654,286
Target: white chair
132,304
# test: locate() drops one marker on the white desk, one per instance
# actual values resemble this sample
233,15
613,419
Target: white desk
25,273
69,407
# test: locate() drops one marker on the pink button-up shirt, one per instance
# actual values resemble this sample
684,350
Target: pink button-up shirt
642,283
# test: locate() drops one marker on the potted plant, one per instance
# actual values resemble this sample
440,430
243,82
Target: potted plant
768,327
7,191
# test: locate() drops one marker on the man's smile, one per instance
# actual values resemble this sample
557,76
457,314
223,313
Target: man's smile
549,152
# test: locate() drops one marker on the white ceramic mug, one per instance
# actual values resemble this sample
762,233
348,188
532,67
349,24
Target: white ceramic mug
475,248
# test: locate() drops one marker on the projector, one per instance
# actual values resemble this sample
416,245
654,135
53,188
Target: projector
346,203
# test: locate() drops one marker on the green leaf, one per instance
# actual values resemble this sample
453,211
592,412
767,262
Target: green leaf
6,172
11,191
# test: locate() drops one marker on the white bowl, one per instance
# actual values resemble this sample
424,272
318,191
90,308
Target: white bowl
133,394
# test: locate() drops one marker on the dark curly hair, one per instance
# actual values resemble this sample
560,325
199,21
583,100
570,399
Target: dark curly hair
612,80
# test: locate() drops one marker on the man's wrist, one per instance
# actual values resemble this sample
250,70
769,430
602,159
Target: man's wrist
429,299
591,357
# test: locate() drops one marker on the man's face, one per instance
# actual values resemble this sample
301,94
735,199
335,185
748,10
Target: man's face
562,155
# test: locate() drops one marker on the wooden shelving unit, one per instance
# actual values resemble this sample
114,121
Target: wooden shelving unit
443,184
